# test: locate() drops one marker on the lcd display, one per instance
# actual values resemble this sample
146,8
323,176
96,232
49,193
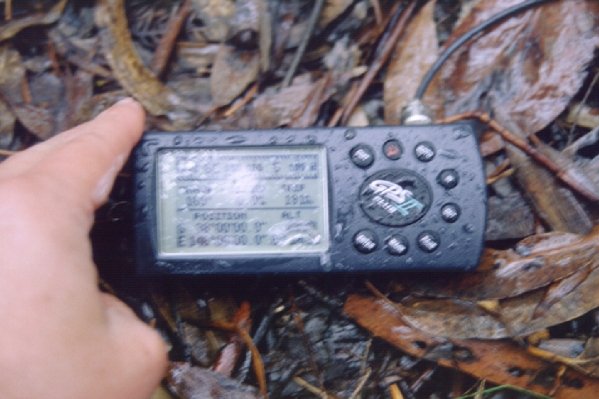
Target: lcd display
242,201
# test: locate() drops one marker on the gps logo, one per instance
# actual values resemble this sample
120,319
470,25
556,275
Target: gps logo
394,198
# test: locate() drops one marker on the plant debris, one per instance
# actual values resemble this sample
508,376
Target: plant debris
527,318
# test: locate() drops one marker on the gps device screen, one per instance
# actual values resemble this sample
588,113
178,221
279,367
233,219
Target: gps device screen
242,201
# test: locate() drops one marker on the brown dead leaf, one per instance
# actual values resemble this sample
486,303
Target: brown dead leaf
37,119
555,204
277,108
537,262
530,66
199,383
414,54
500,362
569,264
126,64
14,26
232,72
516,316
556,291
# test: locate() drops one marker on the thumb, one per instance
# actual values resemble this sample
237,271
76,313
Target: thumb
140,353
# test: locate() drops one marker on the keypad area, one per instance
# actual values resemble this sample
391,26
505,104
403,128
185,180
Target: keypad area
413,195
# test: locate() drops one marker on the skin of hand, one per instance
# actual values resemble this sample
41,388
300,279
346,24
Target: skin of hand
60,337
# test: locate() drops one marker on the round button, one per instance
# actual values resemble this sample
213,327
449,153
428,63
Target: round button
397,245
365,241
392,149
428,241
448,178
362,155
425,152
395,197
450,212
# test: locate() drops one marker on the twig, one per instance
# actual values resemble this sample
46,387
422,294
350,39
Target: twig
249,94
395,392
582,103
378,14
339,112
304,43
379,62
167,42
311,388
7,10
361,384
415,387
7,153
307,344
506,387
256,357
498,176
538,156
258,336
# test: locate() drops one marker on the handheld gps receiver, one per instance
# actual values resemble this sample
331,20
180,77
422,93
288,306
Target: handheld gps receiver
311,200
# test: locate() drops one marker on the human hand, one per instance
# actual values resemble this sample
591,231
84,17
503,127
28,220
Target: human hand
60,336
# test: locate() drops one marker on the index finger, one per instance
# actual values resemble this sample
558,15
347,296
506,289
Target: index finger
79,166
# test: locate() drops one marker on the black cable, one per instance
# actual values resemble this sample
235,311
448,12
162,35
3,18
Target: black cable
508,12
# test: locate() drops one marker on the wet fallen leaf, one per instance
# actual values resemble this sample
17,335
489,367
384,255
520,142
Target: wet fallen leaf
197,383
526,70
583,115
528,305
126,64
414,54
516,316
277,108
232,72
530,66
555,204
14,26
500,362
508,217
537,262
36,119
591,354
307,115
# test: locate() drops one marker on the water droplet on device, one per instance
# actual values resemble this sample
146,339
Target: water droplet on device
235,139
460,133
468,228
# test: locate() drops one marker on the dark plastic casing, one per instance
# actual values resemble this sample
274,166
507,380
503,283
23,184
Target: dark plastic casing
460,242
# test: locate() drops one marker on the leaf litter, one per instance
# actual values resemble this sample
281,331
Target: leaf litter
213,65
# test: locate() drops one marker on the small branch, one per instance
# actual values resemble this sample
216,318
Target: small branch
304,43
167,42
582,103
378,14
395,392
7,10
562,174
361,384
7,153
310,388
379,62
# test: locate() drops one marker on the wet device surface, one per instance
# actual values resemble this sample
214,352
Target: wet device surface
310,200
